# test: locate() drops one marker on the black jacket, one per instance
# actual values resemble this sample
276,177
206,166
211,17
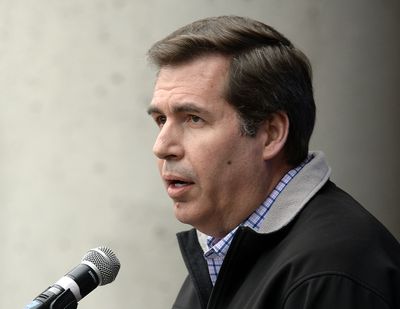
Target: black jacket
329,253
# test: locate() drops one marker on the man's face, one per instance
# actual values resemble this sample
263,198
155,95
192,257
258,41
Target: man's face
210,170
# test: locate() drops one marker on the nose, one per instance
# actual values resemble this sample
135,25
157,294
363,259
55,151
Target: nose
169,145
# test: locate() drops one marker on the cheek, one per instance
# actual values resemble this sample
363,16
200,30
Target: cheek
239,160
219,164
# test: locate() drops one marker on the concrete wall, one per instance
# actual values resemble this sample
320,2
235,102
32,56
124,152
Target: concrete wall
76,168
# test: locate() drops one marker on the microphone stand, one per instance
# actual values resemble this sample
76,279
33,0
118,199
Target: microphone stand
64,300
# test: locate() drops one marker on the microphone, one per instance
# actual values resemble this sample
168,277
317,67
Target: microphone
99,266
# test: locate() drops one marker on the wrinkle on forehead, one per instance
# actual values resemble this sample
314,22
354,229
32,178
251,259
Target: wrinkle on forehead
200,81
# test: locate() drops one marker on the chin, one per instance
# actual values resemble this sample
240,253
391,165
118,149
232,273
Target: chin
184,213
181,214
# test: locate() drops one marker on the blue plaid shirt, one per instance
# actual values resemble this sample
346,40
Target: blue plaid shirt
217,248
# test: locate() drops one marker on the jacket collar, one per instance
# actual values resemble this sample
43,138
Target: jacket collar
297,193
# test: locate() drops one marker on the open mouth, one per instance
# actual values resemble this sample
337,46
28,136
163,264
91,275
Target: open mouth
177,188
179,183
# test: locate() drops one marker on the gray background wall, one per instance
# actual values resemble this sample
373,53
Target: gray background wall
76,168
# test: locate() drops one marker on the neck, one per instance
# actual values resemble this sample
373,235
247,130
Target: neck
275,170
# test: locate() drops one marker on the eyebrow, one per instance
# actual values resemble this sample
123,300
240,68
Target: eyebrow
153,110
186,107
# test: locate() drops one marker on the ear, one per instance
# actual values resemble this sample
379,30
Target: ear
276,130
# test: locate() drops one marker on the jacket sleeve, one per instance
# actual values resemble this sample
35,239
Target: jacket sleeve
332,291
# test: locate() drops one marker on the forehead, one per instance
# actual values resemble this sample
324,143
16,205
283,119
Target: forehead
201,79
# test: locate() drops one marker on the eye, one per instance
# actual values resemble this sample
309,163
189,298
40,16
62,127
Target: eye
160,120
195,119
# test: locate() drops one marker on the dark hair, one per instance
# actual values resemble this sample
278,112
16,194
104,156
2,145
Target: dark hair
267,73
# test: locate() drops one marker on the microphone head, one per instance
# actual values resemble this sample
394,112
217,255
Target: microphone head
104,262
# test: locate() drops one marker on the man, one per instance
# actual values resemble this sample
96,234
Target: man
234,104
